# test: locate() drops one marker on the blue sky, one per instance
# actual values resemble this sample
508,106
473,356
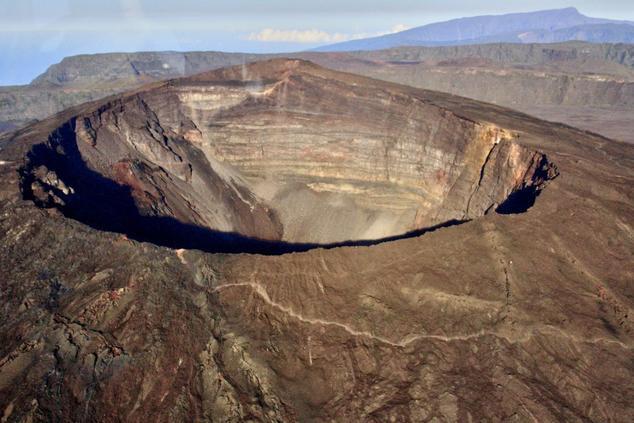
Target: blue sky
37,33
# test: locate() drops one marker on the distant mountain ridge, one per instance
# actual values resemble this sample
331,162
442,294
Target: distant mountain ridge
111,70
556,25
521,76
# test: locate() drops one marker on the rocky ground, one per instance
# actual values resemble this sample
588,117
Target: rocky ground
507,317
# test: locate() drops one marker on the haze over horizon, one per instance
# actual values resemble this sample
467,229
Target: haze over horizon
36,34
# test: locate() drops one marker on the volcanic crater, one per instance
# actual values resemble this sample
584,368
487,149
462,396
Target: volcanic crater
277,156
524,317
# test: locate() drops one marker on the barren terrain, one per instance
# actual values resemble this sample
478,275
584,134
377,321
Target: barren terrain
520,310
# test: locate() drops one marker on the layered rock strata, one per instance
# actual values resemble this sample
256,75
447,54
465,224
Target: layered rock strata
284,153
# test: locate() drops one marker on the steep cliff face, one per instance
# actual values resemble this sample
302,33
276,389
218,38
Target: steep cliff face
516,88
279,151
121,171
84,71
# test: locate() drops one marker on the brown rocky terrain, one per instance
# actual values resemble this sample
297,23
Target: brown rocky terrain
487,277
552,81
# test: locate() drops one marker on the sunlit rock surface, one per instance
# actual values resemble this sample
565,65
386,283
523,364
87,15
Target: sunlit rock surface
282,151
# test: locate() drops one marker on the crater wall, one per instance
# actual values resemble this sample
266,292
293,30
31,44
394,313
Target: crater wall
282,153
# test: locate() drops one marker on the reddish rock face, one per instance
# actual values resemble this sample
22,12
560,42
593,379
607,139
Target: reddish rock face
282,151
523,312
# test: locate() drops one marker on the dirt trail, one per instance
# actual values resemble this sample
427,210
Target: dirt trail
410,339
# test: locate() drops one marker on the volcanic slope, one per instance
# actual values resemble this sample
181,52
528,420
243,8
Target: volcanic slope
521,312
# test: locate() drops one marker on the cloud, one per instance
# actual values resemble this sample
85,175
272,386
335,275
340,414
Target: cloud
270,35
308,36
399,28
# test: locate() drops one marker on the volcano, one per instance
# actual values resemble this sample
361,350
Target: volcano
283,242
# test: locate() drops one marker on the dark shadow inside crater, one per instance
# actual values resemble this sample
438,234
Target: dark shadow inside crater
106,205
521,200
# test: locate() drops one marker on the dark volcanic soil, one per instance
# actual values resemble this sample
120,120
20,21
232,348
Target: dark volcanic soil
521,313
